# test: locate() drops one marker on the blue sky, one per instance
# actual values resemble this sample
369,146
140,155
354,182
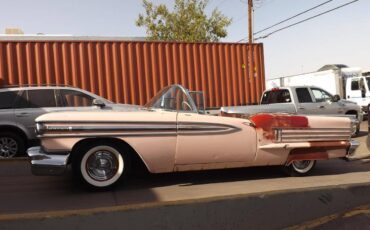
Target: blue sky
338,37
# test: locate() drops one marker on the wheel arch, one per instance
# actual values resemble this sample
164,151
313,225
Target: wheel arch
16,130
352,112
136,158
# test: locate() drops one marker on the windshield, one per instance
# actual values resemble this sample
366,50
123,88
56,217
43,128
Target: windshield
368,82
172,98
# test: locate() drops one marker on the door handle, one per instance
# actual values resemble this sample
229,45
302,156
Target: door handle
321,106
301,107
22,114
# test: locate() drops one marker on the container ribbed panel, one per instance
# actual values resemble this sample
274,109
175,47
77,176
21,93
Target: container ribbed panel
133,72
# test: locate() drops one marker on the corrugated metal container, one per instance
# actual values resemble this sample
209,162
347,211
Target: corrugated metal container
133,71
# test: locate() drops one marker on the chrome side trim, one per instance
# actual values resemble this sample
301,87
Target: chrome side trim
309,134
82,135
112,128
194,128
124,129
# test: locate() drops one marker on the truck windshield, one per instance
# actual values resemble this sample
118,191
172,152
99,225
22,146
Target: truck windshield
276,96
368,82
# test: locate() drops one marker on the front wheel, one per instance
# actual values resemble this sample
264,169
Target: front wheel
300,168
102,165
11,144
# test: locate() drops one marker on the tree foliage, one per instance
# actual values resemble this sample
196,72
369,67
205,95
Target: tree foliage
186,22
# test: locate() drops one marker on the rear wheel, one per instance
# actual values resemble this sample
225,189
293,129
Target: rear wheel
102,165
300,168
11,144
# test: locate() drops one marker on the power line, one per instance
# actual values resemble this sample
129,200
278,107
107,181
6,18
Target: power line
307,19
293,17
304,20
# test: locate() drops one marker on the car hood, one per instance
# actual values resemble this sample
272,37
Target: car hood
122,107
347,102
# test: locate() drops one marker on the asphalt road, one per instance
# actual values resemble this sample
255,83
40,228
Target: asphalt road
21,192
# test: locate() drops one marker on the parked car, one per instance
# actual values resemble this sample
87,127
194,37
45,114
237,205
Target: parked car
169,134
307,100
20,106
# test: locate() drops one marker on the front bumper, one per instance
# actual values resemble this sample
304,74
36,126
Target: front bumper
43,163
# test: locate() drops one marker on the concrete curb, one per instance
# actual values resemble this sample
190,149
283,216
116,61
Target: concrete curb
254,211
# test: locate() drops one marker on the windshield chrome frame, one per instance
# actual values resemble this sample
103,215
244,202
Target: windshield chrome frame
183,90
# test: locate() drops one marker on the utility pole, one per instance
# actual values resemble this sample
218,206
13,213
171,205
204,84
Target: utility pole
250,30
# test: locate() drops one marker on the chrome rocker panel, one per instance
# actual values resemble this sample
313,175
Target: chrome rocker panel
47,164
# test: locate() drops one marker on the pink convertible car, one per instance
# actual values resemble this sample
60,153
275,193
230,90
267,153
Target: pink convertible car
171,133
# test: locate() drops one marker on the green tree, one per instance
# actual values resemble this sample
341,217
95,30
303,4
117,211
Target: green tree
186,22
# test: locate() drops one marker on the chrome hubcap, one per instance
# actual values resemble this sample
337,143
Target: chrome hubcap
301,164
8,147
102,165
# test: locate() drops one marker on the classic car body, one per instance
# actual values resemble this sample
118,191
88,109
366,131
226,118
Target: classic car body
169,134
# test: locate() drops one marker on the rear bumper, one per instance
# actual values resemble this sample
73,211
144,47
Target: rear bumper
43,163
360,117
352,148
365,109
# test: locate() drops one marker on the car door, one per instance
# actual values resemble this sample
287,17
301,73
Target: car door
33,103
7,99
305,103
356,91
206,141
323,103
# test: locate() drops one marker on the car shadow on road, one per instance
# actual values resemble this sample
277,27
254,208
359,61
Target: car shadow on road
329,167
206,177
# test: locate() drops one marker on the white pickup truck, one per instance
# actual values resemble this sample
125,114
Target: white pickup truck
300,100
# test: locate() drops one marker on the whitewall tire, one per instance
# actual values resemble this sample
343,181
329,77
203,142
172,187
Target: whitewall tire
300,168
102,166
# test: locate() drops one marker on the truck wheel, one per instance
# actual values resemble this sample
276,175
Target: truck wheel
102,165
11,144
300,168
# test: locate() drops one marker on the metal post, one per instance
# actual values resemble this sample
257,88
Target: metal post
250,30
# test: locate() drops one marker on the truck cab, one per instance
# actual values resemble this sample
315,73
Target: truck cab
357,90
311,100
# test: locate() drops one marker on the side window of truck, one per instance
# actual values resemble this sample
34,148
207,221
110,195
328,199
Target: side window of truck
7,99
355,84
73,98
303,95
321,95
276,96
37,99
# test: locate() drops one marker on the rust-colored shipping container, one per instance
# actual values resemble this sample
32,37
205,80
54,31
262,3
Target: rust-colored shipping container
133,71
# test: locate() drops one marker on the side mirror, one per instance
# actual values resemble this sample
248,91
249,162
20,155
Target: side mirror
336,98
99,103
